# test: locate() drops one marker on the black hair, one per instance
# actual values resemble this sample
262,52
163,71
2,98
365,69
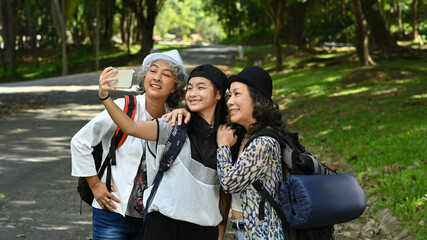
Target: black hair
266,113
220,109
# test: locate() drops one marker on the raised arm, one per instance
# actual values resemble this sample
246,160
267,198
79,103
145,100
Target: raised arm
143,129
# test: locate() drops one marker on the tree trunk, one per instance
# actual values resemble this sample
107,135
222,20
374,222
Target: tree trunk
34,47
399,20
123,24
278,44
361,35
148,28
60,24
382,10
128,30
4,32
32,31
275,11
97,23
379,32
296,14
3,61
145,12
109,18
8,23
415,34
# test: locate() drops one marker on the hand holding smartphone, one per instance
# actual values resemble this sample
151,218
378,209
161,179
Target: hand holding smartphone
124,78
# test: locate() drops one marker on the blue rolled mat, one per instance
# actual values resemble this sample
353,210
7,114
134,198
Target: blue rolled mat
311,201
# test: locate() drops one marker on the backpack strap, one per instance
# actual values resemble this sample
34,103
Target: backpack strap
265,195
130,110
117,140
270,133
279,138
173,148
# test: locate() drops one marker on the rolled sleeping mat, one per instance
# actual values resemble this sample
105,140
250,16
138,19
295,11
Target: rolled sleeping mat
311,201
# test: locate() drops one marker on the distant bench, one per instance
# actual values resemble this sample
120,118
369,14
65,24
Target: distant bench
333,45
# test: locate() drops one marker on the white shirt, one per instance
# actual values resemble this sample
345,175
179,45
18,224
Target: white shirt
102,128
188,191
236,202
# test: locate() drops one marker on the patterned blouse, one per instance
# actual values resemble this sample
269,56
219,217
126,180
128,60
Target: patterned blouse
260,160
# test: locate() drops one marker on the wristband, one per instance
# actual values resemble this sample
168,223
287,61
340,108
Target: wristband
103,99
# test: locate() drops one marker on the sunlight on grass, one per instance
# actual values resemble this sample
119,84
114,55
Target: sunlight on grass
315,91
349,92
420,201
32,73
296,119
135,49
269,65
385,91
419,96
331,55
326,132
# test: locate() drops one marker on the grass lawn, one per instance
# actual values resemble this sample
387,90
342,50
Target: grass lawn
373,118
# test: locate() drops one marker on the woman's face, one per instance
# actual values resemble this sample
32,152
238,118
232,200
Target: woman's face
201,96
159,81
240,105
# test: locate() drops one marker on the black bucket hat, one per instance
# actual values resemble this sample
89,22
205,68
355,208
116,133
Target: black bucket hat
255,77
212,73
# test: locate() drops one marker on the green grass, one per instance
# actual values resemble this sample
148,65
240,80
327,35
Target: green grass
373,118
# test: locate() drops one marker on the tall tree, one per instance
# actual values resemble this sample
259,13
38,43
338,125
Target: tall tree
415,34
60,25
145,12
275,10
9,17
30,11
109,19
361,35
296,14
379,32
97,22
126,26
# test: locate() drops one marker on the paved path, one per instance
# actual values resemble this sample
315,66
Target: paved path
38,198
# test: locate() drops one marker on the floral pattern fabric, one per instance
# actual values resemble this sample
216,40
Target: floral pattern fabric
261,160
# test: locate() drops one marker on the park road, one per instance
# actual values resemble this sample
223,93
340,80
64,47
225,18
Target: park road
38,197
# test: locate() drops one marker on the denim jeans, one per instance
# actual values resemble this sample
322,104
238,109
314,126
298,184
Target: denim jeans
239,234
110,225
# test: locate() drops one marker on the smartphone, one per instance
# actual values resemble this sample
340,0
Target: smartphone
125,77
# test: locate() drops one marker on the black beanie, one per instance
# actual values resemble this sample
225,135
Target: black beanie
212,73
255,77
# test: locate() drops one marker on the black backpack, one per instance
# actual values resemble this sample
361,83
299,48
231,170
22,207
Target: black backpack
117,140
295,160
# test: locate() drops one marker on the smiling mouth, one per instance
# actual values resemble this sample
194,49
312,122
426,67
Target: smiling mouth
155,86
233,111
194,102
